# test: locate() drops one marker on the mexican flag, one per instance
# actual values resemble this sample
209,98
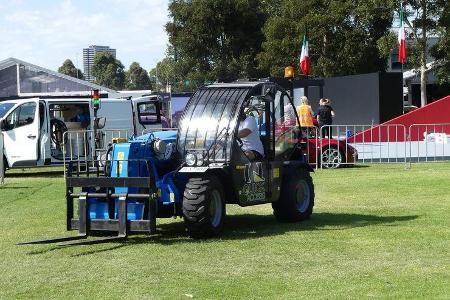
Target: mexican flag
401,39
304,56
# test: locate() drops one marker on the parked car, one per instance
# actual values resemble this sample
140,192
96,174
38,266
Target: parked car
330,153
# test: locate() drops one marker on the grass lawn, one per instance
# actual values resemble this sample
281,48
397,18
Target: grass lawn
377,232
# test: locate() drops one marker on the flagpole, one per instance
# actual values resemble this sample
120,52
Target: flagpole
403,96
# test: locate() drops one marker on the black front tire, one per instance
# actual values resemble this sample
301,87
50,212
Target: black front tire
296,196
203,207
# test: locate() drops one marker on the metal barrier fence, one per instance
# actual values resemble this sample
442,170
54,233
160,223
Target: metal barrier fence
312,146
85,149
362,144
2,165
330,146
429,142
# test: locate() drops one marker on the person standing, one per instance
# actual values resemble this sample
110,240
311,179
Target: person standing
325,117
305,115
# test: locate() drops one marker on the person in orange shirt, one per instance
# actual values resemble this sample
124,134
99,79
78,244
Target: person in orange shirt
305,115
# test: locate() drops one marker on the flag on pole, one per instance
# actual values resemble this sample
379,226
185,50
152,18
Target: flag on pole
304,56
401,38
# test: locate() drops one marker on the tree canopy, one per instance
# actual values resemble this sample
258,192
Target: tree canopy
137,78
213,40
345,36
68,68
216,39
441,51
108,71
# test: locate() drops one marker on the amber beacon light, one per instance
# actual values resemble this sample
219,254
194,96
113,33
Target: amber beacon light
289,72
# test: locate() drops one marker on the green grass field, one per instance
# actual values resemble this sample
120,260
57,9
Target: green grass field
377,232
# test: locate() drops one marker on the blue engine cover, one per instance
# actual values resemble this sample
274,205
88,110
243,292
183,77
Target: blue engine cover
136,159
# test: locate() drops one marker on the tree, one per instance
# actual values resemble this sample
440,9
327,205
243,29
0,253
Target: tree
421,17
108,71
69,69
137,78
441,51
344,36
215,40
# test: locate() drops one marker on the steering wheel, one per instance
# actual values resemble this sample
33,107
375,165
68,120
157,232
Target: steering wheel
57,130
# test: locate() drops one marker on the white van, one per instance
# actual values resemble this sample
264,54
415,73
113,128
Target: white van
33,129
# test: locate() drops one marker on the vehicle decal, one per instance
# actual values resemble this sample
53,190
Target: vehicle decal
276,173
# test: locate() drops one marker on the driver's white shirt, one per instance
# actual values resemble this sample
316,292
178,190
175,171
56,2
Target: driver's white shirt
252,141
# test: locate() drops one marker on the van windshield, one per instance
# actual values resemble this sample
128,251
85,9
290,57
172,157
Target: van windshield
4,108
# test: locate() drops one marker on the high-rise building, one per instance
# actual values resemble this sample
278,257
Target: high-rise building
88,59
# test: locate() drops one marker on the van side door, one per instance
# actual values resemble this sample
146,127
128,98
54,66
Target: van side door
21,135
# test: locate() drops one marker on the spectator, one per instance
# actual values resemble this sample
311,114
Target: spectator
305,115
325,117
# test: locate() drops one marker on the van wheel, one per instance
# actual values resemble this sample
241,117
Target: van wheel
296,200
203,207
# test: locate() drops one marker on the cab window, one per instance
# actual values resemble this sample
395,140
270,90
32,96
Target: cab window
284,125
21,116
149,113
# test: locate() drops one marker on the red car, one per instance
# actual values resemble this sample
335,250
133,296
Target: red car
330,153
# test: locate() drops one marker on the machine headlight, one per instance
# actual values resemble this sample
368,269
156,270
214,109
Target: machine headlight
200,159
159,146
191,159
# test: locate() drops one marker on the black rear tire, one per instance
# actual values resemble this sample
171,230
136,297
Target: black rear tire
203,207
296,196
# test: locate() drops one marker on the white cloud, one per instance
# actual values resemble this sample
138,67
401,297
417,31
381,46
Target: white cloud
48,34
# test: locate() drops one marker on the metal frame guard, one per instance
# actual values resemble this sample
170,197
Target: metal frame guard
121,225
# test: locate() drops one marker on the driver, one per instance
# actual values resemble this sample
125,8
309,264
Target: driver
249,135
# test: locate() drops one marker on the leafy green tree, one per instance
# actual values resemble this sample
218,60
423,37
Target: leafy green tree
422,19
345,36
441,51
108,71
68,68
215,40
137,78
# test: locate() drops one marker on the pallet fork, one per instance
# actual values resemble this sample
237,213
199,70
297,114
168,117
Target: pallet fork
120,224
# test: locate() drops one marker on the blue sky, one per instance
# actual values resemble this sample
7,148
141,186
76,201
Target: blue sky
45,32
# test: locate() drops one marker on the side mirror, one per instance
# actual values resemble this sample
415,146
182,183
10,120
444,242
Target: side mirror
100,123
3,125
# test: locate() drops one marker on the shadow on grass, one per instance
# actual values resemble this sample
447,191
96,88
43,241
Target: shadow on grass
357,166
238,227
14,187
45,174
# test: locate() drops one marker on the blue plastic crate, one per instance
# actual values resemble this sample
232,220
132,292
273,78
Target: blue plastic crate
135,210
98,210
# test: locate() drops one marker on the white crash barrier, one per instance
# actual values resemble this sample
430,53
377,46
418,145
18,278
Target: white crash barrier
429,142
2,166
